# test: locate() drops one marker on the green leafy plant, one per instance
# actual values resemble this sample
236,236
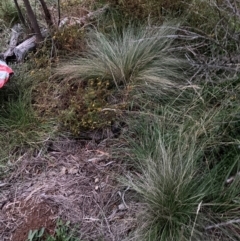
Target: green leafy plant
35,235
85,110
62,233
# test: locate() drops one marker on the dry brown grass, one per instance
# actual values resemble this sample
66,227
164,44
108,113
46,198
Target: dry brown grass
78,183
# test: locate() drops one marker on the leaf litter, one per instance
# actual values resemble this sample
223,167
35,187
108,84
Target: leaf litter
73,183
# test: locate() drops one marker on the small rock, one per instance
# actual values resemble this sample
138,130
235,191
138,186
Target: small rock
73,170
122,207
63,171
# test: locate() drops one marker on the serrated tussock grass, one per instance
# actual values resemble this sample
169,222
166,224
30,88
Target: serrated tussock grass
169,182
131,55
185,159
121,60
21,129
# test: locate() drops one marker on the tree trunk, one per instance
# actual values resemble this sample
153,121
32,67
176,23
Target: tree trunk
59,12
47,14
33,21
20,13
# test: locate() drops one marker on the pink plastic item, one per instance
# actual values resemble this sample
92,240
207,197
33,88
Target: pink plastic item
5,72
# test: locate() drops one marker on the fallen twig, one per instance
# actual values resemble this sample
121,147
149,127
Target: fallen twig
218,225
16,32
21,50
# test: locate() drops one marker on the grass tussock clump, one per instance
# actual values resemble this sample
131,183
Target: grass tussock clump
131,55
187,162
171,184
113,65
20,126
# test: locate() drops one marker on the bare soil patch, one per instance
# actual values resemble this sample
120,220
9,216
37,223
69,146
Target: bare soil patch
73,182
34,216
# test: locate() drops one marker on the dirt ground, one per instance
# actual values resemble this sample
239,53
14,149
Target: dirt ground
73,181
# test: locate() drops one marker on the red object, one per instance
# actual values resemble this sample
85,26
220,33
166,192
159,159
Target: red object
5,73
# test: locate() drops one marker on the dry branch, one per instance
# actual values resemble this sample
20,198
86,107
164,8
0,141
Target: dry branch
218,225
21,50
16,32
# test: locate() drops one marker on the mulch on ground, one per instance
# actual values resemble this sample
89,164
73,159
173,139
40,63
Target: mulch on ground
74,182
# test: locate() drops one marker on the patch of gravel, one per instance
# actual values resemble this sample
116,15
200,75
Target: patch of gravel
73,181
